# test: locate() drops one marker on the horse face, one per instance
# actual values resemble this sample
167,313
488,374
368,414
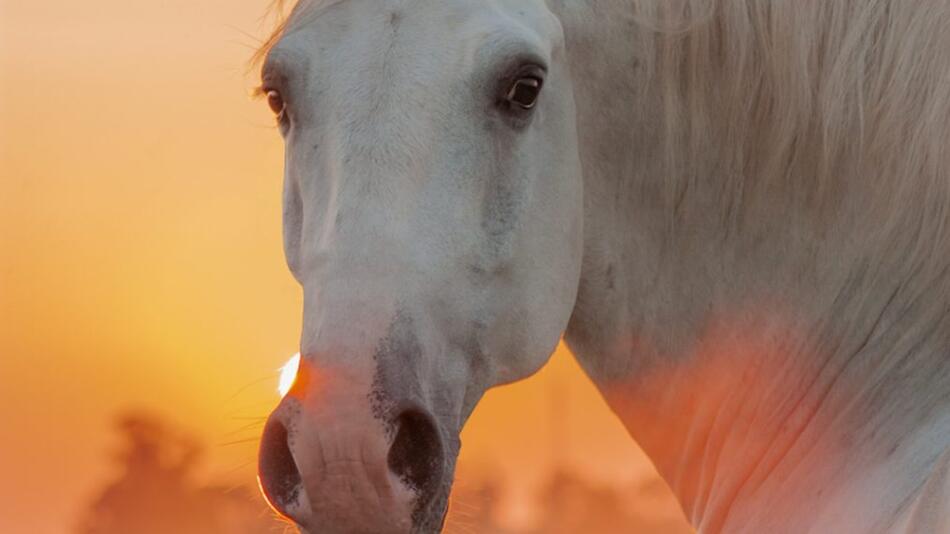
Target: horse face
432,214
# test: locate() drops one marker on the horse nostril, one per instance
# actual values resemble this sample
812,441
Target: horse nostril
416,455
277,470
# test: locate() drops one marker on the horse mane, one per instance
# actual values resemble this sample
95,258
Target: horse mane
801,148
811,99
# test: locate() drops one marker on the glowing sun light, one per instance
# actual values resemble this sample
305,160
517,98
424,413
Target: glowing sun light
288,373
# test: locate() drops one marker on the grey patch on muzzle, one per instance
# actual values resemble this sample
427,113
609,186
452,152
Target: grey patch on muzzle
397,377
397,395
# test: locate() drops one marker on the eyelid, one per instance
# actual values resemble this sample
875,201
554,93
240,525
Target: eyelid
525,65
271,84
274,74
531,71
260,91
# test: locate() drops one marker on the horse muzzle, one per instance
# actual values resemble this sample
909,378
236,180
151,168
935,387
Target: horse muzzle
337,459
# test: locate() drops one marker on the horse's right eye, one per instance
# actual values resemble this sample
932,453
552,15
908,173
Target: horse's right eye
276,102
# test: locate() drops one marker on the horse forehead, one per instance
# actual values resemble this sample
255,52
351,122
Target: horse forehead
375,49
461,20
405,6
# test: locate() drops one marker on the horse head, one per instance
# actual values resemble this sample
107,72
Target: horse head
433,216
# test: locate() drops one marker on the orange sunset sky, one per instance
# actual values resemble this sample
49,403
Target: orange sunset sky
141,262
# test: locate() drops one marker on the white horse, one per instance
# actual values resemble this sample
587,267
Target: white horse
737,213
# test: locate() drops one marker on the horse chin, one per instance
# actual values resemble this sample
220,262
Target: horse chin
428,519
429,523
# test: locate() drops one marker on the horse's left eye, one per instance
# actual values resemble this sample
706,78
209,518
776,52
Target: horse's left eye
525,91
276,101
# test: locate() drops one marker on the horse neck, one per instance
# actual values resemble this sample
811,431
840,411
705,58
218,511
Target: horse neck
780,366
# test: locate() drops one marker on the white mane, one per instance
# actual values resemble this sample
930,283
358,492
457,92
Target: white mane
825,121
821,93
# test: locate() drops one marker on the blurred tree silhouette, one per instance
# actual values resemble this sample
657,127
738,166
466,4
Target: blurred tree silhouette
571,504
156,491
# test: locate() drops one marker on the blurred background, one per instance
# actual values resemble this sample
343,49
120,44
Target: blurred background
145,307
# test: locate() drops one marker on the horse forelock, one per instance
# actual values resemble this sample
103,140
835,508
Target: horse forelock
286,20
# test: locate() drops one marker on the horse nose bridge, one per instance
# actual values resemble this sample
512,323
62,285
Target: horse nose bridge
365,281
376,228
368,330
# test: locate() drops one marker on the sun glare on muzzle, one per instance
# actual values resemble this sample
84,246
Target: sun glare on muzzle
288,374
